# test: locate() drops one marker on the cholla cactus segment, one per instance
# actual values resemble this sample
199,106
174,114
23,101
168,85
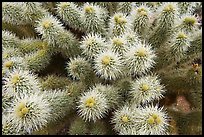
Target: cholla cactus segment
13,63
118,45
196,43
119,23
131,37
78,67
33,11
20,82
108,65
153,6
49,27
59,102
38,61
30,45
78,127
71,14
168,14
9,40
29,113
93,20
125,7
152,120
92,44
124,120
139,18
186,7
166,21
139,58
7,100
146,89
180,45
10,52
68,43
188,23
110,93
7,128
12,12
92,105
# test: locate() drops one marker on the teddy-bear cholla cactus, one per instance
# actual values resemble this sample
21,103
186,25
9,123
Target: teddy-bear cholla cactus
167,14
33,11
152,120
78,68
139,58
25,12
21,81
158,29
9,9
146,89
139,18
188,23
131,37
111,94
119,23
9,39
53,32
124,120
38,61
59,102
93,18
108,65
92,105
125,7
92,44
71,14
12,63
49,27
180,45
29,113
118,45
7,128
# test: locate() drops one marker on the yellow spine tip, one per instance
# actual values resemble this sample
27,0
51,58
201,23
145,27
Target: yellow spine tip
24,110
46,24
145,87
117,42
190,20
89,9
15,79
64,5
106,60
150,120
141,52
90,102
168,8
125,119
8,64
181,36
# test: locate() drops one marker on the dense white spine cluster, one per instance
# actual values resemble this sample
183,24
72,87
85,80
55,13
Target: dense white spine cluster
124,120
78,67
92,105
29,113
71,14
91,62
146,89
119,23
93,18
21,82
92,44
152,120
139,58
108,65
